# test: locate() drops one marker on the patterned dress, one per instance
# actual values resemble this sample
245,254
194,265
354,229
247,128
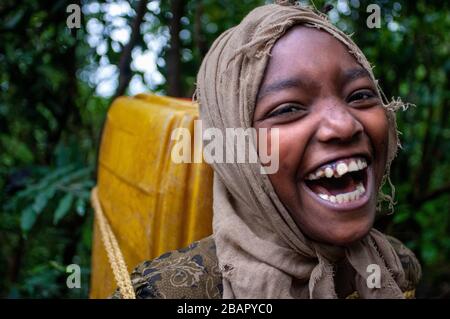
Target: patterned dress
193,273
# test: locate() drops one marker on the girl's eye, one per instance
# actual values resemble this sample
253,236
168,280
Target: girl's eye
286,110
361,96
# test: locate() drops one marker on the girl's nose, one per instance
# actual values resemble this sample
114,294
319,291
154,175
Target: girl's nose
338,125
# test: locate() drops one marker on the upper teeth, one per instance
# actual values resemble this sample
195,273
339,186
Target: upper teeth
339,168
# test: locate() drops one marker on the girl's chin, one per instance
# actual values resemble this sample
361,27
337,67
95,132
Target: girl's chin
339,234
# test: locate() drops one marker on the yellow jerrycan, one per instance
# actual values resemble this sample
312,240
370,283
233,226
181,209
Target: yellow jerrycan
148,204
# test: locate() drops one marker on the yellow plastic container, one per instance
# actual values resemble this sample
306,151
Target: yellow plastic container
152,204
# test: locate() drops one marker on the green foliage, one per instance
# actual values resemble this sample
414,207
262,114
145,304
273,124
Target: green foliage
67,182
48,138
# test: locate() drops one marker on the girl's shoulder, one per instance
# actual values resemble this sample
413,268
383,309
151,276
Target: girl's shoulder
186,273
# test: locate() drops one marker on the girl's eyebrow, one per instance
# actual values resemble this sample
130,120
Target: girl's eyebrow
295,82
355,73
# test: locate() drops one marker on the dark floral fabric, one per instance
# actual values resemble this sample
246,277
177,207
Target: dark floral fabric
186,273
193,273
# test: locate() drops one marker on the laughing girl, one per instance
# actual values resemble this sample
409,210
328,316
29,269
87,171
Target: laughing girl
305,231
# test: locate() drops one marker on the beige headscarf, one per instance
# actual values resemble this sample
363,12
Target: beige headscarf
261,251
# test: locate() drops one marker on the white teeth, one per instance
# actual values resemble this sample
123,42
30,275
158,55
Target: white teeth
360,188
339,169
329,172
320,173
352,167
362,164
345,197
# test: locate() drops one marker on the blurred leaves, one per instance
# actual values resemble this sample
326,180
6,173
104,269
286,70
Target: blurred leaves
63,207
69,182
49,130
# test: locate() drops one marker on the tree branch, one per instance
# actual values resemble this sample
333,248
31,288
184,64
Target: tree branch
125,58
174,52
199,37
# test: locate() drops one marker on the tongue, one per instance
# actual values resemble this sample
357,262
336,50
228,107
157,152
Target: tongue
333,186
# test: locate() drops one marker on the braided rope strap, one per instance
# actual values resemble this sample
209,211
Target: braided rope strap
115,257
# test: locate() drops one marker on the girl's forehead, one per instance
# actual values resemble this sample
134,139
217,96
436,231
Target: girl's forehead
307,53
309,44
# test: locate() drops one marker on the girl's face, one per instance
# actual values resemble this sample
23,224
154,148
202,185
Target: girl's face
333,134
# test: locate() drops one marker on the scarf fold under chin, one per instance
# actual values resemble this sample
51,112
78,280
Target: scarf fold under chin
261,251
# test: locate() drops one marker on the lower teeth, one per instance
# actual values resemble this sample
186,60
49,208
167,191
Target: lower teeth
345,197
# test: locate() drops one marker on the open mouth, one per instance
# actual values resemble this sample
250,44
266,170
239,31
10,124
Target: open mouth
340,182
